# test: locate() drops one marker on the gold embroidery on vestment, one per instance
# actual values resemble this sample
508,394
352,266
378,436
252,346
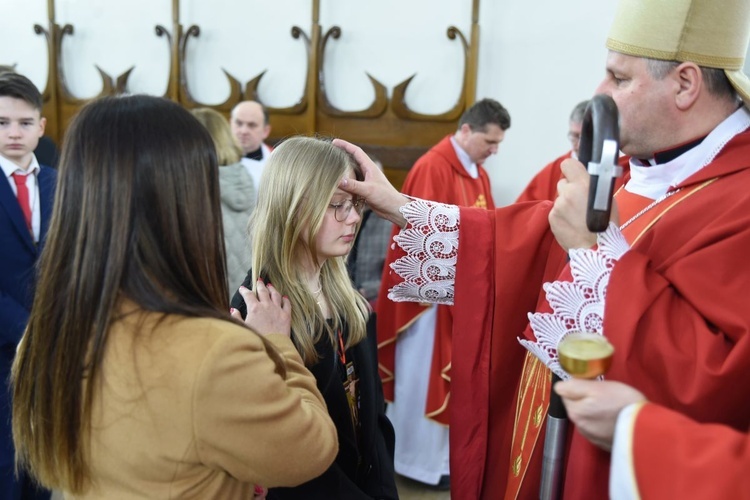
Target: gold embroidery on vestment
676,202
481,201
517,465
538,416
530,411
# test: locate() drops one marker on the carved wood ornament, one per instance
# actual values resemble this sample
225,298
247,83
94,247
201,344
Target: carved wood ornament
388,128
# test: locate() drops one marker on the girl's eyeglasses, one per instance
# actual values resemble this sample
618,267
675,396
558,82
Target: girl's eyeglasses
342,210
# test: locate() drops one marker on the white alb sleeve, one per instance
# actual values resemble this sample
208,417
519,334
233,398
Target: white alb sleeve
430,241
622,483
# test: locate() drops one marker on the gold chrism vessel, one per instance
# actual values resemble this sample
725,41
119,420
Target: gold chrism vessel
585,355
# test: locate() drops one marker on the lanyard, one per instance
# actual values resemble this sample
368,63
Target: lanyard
342,352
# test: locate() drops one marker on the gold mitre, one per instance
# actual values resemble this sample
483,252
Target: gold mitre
710,33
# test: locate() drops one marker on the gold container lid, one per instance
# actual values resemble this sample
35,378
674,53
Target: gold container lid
585,355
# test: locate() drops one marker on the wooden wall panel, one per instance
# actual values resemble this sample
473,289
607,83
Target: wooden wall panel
387,128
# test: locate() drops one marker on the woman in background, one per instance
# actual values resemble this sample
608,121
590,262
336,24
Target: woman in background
302,229
132,381
237,194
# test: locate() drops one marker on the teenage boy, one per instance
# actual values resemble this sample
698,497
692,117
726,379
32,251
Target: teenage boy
26,193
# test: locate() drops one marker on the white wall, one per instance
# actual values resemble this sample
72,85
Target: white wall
538,58
18,43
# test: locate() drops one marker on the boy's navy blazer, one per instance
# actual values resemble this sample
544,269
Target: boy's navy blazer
19,255
18,258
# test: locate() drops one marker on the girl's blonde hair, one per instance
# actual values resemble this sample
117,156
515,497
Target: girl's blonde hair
228,151
298,182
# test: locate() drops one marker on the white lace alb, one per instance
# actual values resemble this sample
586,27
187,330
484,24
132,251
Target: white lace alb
431,245
429,269
577,306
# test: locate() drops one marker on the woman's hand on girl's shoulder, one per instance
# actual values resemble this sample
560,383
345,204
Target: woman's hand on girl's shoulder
267,311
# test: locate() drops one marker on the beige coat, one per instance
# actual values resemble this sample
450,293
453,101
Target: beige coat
192,408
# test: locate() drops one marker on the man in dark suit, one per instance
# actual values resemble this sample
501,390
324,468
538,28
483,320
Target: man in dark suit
26,194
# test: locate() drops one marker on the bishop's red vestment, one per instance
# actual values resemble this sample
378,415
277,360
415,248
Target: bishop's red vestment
667,455
675,312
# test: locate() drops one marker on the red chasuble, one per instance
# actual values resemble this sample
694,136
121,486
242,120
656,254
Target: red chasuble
439,176
544,184
676,313
675,457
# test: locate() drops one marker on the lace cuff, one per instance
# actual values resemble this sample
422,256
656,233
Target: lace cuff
577,306
430,241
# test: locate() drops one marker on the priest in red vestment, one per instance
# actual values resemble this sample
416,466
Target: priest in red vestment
666,283
656,452
414,340
544,184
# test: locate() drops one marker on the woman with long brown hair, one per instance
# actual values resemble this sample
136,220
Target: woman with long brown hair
132,380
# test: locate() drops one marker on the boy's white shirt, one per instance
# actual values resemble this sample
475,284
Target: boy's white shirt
32,184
